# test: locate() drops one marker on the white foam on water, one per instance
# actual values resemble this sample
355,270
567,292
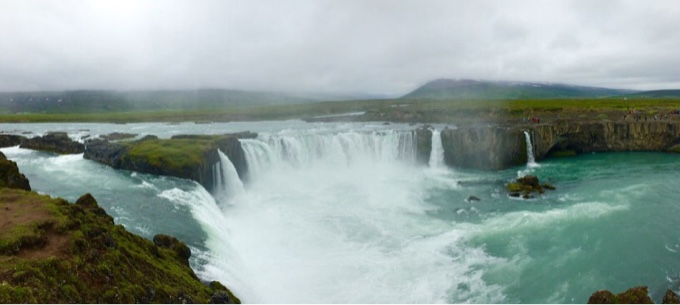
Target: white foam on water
337,218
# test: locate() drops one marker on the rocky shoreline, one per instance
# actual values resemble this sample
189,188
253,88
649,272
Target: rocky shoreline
53,251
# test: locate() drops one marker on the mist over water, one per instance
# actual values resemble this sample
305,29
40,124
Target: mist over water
341,213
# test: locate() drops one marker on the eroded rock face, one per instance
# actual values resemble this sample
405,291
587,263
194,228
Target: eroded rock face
484,147
585,137
496,147
184,156
9,140
670,298
10,176
56,142
104,152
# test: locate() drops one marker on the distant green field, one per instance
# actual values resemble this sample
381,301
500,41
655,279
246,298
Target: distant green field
441,108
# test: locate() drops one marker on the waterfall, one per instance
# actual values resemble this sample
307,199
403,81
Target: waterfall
437,153
344,148
531,161
227,184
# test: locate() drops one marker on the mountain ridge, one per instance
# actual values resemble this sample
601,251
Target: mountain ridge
482,89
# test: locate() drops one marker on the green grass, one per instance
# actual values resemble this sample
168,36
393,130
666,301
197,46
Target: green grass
175,154
433,109
100,263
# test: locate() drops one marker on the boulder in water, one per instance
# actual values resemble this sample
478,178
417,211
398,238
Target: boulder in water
635,295
56,142
473,198
527,185
670,298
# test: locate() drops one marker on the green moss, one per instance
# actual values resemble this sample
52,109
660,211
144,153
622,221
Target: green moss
99,262
181,156
514,187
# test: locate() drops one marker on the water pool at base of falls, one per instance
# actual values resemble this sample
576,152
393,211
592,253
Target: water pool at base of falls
338,213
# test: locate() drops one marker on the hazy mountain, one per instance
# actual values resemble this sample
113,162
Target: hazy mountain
477,89
658,94
115,101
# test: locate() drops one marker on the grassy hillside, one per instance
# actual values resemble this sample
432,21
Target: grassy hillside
657,94
53,251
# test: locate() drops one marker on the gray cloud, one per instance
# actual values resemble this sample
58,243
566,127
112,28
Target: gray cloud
340,46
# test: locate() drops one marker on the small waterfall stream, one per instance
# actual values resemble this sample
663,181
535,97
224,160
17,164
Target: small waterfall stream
437,153
228,185
531,160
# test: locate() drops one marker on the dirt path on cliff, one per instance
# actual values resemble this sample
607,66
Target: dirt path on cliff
20,212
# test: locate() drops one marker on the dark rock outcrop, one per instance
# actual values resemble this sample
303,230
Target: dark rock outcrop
635,295
423,144
670,298
10,176
56,142
497,147
484,147
117,136
586,137
105,152
9,140
232,148
527,185
183,253
184,156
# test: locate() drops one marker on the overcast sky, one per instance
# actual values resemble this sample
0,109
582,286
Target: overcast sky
387,47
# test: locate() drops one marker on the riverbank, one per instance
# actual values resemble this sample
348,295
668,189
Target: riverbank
53,251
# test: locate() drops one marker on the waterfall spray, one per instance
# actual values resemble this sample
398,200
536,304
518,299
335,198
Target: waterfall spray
437,153
227,183
531,160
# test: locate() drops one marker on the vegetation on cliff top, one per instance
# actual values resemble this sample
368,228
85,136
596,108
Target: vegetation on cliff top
52,251
181,156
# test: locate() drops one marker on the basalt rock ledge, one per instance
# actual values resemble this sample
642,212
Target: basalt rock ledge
494,147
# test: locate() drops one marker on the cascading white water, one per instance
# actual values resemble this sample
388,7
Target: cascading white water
227,184
340,217
437,153
344,149
531,161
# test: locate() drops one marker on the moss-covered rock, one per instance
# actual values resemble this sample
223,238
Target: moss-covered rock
526,186
10,176
635,295
73,253
670,298
52,251
183,156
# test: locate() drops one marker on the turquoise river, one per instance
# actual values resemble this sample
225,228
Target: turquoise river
341,213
